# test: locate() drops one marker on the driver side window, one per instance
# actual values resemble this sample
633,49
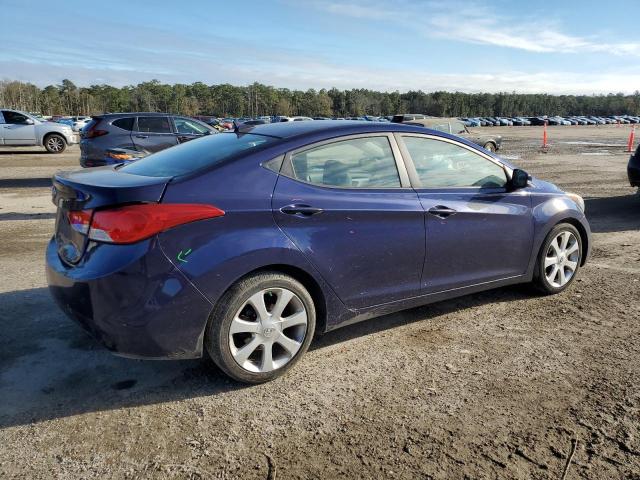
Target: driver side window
441,164
14,118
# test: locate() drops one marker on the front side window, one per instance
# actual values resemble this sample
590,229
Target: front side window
441,164
14,118
189,127
458,128
355,163
154,125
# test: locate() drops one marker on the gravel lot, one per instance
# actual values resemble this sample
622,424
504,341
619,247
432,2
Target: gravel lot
495,385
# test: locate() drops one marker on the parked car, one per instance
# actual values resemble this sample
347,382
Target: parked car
457,127
407,117
245,244
21,129
538,120
633,169
471,122
144,133
65,121
79,123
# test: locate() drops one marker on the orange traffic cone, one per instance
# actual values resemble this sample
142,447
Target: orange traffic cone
632,137
544,135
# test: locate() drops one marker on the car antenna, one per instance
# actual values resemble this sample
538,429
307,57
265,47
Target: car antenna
240,128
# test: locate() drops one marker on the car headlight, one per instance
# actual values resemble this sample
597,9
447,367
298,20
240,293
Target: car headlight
578,199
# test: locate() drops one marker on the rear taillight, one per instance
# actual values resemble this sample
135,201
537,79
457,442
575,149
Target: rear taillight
90,131
80,220
133,223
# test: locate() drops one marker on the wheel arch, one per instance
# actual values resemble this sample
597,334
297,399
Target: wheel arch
48,134
307,281
584,236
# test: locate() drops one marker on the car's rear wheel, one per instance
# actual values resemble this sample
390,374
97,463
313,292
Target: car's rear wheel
490,146
55,143
261,327
559,259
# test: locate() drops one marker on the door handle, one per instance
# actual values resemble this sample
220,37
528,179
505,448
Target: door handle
301,210
441,211
142,136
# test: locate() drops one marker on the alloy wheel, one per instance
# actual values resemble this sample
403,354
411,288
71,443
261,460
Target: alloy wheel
268,330
561,259
55,144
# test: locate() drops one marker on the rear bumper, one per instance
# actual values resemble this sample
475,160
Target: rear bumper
132,299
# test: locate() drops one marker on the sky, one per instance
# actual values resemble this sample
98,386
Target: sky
558,47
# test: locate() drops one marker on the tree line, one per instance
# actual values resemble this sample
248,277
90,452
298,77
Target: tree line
257,99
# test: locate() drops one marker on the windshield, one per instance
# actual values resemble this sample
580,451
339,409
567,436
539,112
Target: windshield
198,154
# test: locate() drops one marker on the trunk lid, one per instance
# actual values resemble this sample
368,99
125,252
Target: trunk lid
87,190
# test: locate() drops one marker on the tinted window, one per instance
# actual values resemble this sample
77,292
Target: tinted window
189,127
197,154
124,123
154,124
14,117
357,163
445,165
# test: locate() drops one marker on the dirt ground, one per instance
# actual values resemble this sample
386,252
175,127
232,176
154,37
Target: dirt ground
500,384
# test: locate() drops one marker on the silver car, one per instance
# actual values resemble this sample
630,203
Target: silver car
21,129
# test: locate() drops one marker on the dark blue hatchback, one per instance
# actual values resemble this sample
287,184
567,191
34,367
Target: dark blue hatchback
245,244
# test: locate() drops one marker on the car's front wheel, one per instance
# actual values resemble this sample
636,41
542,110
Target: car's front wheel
261,327
55,143
559,259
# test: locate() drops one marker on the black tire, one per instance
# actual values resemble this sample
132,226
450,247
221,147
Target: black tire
217,333
540,281
55,143
490,146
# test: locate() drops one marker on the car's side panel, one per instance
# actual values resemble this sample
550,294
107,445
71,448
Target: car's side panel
147,309
367,244
548,210
488,238
246,238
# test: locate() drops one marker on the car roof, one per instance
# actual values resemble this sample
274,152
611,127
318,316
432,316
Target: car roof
288,130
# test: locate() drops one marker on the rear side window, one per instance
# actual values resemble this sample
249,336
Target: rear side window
198,154
356,163
124,123
154,125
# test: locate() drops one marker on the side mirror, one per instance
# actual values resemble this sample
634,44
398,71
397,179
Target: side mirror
519,179
28,121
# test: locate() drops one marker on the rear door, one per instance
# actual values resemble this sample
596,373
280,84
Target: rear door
15,131
477,230
348,206
153,133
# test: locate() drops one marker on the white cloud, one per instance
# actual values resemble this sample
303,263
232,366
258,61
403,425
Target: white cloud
474,23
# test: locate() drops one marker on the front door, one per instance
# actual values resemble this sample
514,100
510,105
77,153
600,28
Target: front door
16,130
345,205
477,230
153,133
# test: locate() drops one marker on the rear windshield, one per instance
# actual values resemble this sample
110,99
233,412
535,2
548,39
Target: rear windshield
197,154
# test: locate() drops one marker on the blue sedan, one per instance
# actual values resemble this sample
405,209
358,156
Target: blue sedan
245,244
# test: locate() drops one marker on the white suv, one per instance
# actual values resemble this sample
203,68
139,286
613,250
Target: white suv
21,129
